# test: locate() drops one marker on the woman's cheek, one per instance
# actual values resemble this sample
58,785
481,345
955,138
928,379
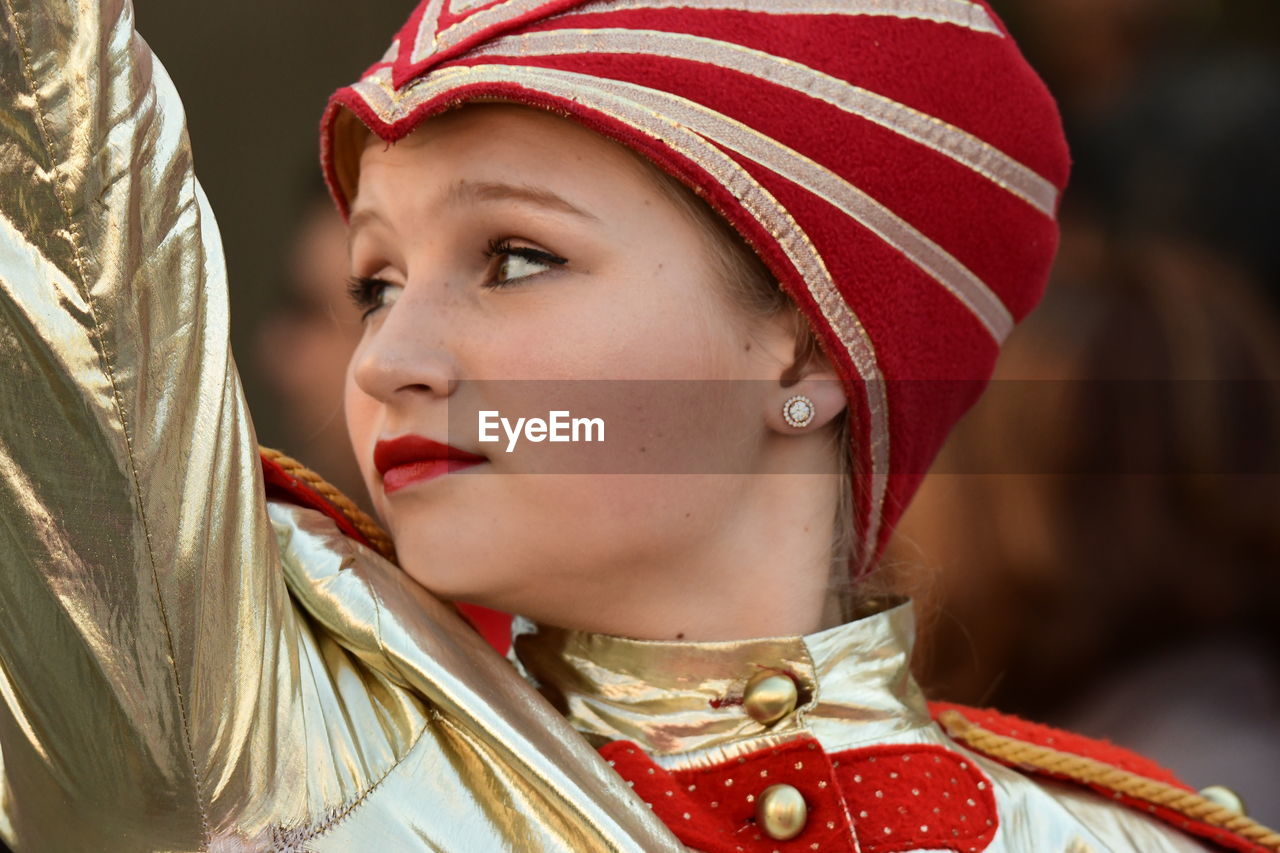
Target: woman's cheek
361,412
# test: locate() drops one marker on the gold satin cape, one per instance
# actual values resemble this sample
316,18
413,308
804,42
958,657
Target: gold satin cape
183,667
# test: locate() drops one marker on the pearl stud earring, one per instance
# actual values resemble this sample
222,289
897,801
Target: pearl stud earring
798,411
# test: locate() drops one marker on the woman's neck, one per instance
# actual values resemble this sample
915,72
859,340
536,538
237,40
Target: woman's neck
765,573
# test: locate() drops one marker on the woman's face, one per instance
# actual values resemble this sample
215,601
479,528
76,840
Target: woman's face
525,264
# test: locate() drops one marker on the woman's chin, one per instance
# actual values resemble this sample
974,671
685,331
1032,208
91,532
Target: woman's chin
457,584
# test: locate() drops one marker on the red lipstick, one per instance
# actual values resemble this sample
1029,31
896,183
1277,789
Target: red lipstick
412,459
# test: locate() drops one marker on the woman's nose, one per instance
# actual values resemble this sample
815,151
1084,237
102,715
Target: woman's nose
404,356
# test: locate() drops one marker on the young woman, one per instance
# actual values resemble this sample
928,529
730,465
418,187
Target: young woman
827,214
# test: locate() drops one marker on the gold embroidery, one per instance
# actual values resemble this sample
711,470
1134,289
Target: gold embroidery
960,13
424,41
459,7
964,148
376,91
428,41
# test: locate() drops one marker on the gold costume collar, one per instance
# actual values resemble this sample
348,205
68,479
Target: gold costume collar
683,702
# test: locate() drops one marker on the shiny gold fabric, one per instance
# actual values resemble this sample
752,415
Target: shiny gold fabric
162,687
677,701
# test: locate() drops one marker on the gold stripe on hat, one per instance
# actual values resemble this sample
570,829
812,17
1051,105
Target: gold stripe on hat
755,199
424,41
961,13
964,148
459,7
931,258
376,91
427,41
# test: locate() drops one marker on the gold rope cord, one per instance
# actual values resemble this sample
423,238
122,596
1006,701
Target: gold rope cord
362,521
1093,772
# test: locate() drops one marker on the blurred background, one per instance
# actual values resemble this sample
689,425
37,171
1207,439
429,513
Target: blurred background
1137,603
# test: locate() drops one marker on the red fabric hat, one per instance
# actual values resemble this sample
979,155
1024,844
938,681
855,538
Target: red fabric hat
896,163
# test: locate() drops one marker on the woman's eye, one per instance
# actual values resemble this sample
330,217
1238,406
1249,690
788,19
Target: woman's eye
518,262
512,267
371,294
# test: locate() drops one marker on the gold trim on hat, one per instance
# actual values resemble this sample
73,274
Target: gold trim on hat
961,13
928,256
428,41
946,139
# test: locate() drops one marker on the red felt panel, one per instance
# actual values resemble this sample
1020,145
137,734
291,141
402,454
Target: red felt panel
913,797
713,809
922,64
898,797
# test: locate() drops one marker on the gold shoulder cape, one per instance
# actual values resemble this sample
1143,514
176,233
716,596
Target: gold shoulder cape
183,667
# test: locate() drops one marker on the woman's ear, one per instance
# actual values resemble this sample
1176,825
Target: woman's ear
809,393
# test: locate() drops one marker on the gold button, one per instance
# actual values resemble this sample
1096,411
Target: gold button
781,812
769,697
1223,796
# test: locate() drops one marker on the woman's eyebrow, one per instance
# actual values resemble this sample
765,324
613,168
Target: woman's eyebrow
470,191
359,219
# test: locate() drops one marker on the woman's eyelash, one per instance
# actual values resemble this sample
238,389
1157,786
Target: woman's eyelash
498,248
366,293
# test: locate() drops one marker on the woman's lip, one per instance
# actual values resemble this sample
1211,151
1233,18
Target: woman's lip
411,449
398,477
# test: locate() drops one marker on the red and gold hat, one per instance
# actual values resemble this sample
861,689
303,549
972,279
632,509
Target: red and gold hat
896,163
